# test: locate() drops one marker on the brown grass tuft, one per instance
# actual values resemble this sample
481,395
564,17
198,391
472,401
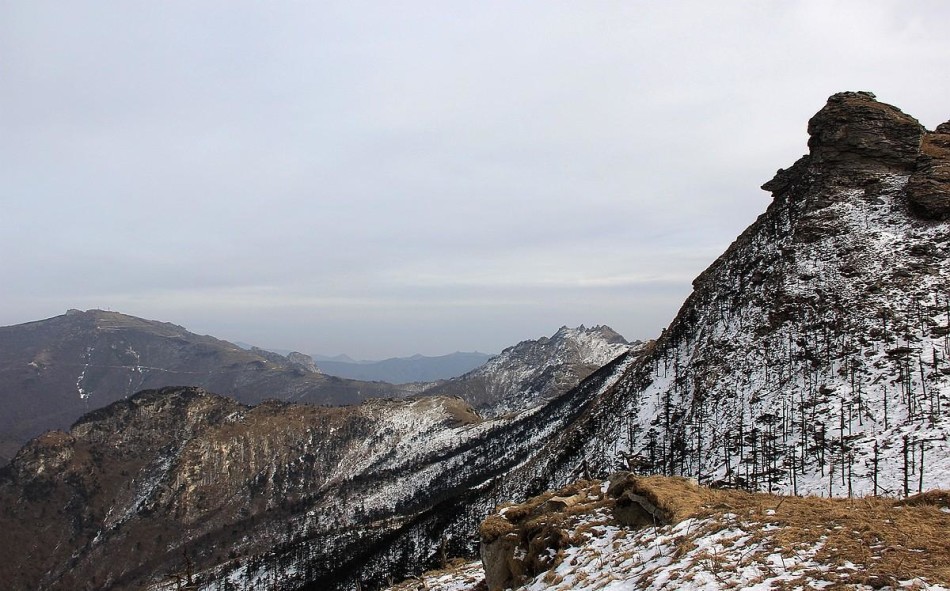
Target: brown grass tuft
494,527
677,498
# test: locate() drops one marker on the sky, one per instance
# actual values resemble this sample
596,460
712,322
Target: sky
388,178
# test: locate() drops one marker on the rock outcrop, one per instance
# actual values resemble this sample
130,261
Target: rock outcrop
929,188
521,541
857,132
302,361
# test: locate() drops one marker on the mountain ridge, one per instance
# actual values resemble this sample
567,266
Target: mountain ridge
54,370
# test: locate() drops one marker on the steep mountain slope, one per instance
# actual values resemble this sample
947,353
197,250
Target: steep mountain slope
52,371
404,370
176,481
813,356
535,371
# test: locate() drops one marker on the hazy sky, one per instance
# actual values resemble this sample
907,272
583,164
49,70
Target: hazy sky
386,178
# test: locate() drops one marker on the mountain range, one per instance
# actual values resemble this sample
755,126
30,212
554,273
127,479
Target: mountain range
53,371
813,356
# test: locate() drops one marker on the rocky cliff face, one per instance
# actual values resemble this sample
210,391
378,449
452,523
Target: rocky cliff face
53,371
535,371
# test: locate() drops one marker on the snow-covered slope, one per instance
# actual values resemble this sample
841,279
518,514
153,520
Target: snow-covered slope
535,371
153,487
814,355
134,487
280,495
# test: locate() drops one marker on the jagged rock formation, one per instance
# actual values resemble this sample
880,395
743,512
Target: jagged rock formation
535,371
928,190
52,371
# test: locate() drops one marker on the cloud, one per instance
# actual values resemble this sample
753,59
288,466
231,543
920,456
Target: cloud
315,175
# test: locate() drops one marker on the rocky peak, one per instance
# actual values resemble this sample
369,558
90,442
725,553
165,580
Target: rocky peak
834,304
534,371
302,361
854,140
855,129
599,332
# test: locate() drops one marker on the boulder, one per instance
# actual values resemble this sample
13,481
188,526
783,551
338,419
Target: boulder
855,130
521,541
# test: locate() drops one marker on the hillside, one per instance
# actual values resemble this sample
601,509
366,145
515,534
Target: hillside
138,485
52,371
600,535
302,496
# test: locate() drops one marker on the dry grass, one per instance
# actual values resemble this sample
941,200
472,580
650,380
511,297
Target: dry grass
873,541
886,540
458,569
494,527
676,498
533,513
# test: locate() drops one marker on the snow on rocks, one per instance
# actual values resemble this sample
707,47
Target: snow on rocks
724,540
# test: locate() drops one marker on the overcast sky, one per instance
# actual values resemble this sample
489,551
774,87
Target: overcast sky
390,178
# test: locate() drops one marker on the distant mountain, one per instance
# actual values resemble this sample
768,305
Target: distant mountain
535,371
52,371
342,358
403,370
